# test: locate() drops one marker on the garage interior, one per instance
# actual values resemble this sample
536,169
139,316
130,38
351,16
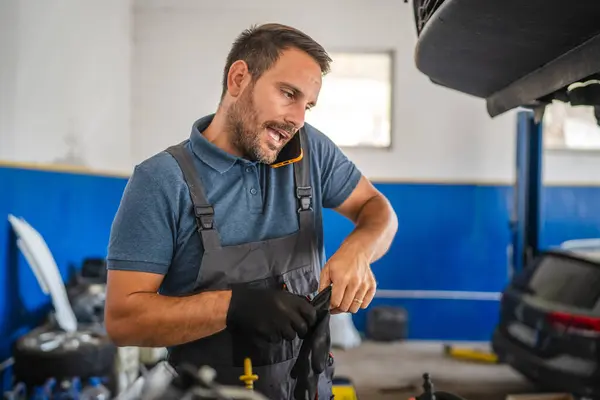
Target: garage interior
484,136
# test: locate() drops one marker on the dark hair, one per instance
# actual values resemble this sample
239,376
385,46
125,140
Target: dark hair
261,46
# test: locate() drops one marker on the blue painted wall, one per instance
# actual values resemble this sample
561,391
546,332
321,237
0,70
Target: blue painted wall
451,237
72,212
456,238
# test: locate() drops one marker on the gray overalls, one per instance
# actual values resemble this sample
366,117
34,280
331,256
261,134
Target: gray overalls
289,262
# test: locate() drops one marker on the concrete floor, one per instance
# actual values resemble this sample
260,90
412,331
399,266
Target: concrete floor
394,371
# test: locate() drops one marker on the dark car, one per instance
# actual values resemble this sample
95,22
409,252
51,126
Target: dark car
549,326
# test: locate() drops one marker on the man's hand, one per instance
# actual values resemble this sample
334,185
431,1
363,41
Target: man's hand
349,269
352,280
271,314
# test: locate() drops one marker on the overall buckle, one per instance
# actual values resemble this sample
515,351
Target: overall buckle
206,216
305,196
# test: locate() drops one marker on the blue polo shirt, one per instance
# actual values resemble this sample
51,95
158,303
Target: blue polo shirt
154,229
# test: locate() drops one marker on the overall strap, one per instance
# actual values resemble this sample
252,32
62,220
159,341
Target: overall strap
304,191
203,211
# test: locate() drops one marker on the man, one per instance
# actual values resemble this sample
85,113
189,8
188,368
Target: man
218,241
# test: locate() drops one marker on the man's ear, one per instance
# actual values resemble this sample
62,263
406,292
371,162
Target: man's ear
237,78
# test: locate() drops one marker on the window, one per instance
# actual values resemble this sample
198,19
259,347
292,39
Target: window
570,127
567,281
355,102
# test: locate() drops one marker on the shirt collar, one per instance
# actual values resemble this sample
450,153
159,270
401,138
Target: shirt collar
213,156
221,161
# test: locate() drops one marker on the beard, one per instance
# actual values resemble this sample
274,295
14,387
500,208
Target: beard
246,131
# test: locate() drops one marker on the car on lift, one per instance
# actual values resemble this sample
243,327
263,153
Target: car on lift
516,54
511,53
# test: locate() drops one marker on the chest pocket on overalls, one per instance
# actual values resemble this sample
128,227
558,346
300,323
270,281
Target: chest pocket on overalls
302,281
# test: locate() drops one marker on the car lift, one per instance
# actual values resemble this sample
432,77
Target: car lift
526,216
524,223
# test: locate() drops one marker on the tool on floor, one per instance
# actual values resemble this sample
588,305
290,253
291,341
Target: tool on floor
248,378
471,354
429,393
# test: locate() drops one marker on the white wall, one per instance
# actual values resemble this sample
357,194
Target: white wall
440,135
8,68
113,76
563,167
67,72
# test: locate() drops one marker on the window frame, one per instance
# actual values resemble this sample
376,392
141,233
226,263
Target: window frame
390,54
564,148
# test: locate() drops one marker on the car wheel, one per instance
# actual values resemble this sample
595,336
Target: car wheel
61,355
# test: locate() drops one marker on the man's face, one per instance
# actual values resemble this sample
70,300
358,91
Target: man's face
270,111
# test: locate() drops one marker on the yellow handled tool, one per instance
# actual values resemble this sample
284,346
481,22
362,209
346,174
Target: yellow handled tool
248,378
471,354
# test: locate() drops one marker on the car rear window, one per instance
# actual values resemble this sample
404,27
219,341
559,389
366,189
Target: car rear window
566,280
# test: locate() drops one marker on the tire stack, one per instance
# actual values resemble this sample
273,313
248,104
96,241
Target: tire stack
47,352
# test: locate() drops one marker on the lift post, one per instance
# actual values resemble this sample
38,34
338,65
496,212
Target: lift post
526,213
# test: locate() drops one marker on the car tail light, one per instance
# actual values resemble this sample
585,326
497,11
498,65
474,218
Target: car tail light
580,324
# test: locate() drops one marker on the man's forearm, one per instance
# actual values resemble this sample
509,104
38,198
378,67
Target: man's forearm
376,226
154,320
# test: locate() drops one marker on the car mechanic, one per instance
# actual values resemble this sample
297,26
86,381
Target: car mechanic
218,240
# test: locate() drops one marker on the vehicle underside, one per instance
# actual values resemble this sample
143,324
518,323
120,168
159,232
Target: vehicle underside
514,54
511,53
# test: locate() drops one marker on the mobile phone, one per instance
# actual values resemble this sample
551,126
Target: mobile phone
322,298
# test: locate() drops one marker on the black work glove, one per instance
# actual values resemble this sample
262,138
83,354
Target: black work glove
270,314
314,353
